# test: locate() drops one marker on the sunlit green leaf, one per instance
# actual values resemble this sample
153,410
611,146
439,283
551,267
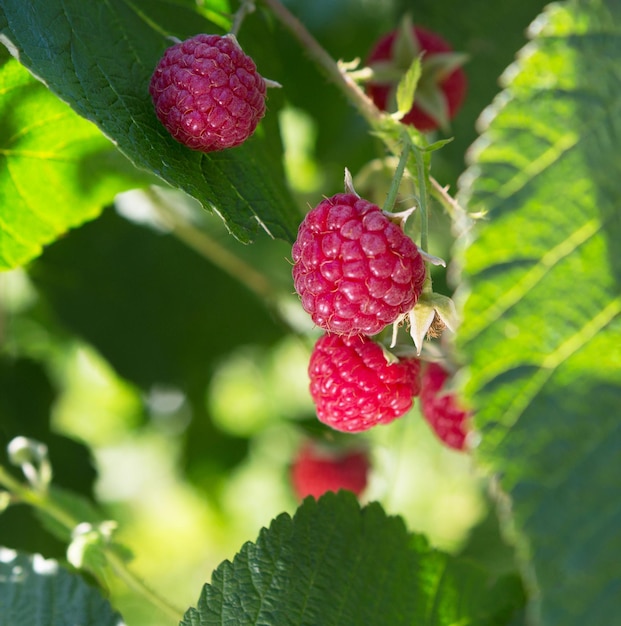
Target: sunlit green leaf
542,325
56,169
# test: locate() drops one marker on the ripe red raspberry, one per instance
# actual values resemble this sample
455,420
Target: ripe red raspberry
441,409
353,386
207,93
317,470
355,270
441,88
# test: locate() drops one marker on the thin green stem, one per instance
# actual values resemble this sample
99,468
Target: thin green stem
220,256
396,180
422,197
341,79
358,98
118,566
12,484
35,498
210,249
461,220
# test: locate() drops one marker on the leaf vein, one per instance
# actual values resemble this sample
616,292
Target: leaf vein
549,365
538,165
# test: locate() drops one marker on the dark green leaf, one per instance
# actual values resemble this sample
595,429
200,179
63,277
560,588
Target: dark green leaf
39,592
156,310
27,397
337,564
99,57
542,323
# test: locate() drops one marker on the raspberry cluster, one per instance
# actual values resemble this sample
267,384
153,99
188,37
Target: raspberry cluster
207,93
356,272
354,268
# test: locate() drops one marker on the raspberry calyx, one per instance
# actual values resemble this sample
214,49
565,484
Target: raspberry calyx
207,92
441,88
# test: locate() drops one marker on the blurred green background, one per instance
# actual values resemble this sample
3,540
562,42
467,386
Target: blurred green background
165,364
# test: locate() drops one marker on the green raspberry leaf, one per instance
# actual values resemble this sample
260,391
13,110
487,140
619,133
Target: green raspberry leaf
56,169
39,592
335,563
99,58
542,327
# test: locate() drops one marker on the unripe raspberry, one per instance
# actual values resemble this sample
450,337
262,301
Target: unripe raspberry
317,470
355,269
355,388
207,93
441,409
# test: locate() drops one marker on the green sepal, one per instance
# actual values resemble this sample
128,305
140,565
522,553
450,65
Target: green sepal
406,88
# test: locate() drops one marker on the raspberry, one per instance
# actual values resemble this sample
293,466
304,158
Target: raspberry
441,88
353,386
317,470
442,410
207,93
355,270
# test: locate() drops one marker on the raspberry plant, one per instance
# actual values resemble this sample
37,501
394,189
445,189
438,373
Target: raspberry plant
154,384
